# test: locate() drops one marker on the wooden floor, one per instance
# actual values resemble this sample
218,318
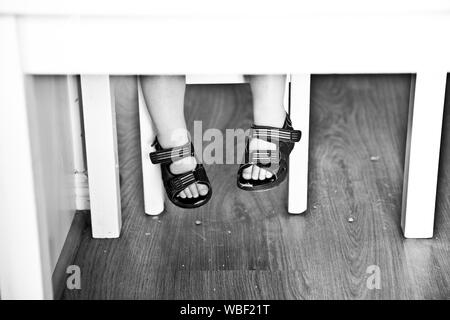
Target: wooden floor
247,246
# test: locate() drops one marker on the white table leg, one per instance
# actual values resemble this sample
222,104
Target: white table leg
25,271
151,174
298,161
422,154
101,152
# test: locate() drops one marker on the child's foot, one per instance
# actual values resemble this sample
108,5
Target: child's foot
185,181
183,165
254,172
273,117
262,168
193,190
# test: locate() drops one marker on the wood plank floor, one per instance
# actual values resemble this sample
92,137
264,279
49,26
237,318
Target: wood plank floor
247,246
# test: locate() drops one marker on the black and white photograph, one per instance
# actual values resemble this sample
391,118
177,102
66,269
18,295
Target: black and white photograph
215,152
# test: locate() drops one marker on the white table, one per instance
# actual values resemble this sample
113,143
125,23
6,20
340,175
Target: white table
99,38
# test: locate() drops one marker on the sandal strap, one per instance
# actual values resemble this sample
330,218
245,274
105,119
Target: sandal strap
280,134
170,155
182,181
264,157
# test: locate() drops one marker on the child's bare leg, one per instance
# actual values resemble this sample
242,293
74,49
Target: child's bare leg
164,96
268,110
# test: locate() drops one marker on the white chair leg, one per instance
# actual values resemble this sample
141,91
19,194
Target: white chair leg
101,153
151,174
422,154
298,161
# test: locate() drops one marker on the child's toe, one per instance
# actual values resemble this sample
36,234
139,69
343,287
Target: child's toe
194,190
182,195
255,173
262,174
268,174
247,173
202,189
188,192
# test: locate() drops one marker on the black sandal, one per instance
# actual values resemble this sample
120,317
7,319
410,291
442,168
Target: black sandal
275,161
175,183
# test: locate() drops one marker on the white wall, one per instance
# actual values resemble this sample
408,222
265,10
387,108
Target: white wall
52,151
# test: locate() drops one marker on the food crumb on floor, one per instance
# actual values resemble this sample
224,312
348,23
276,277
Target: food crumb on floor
198,222
374,158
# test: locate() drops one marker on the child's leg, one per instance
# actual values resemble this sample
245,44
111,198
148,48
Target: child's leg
268,110
164,96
